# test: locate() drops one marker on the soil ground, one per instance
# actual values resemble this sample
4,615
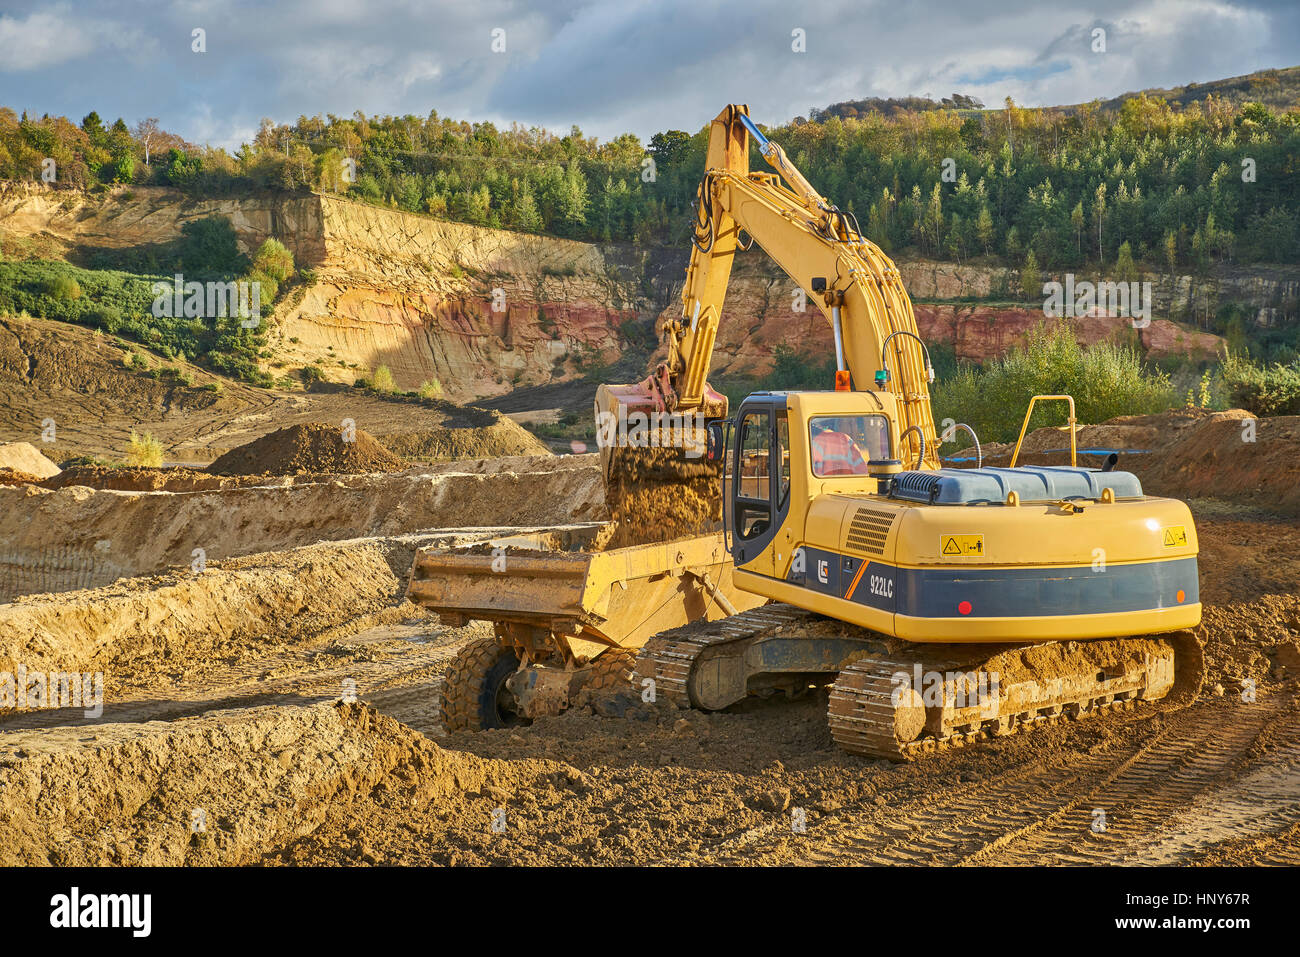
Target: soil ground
60,373
252,734
283,708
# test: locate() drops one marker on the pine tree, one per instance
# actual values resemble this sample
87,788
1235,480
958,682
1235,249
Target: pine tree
1125,269
1031,280
984,229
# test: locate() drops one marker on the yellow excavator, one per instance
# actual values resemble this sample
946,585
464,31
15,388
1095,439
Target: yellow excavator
940,604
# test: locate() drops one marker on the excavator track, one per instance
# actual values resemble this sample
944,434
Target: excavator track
883,704
669,659
872,713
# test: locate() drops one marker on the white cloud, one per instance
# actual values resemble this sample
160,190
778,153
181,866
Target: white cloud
55,36
43,39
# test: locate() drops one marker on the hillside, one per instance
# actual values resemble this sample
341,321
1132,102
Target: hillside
416,293
1276,89
80,382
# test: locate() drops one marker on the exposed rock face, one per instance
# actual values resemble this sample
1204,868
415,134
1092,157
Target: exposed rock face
143,215
483,311
978,333
487,311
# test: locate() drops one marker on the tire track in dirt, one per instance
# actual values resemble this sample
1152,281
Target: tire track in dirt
1193,754
1265,801
1042,813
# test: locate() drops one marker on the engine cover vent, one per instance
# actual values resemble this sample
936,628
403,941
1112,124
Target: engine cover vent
869,530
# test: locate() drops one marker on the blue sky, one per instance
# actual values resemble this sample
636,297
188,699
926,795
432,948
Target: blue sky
609,67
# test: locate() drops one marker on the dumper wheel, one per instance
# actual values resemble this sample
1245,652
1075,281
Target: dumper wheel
474,695
611,669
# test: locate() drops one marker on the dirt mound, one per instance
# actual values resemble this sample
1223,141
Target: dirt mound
74,538
219,789
314,447
24,457
1256,640
1185,453
1236,456
14,477
143,479
168,625
502,437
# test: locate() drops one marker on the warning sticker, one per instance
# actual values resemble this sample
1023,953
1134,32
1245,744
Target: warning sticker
962,545
1175,535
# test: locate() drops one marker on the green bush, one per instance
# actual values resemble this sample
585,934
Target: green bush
61,286
430,389
273,259
1263,390
269,287
382,380
144,451
107,317
311,375
1105,379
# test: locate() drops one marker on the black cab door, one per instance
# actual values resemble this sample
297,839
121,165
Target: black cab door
757,485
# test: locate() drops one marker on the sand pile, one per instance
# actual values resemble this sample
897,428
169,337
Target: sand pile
315,447
218,789
489,435
22,457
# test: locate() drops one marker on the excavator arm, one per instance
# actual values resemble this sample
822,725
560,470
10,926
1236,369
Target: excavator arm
855,285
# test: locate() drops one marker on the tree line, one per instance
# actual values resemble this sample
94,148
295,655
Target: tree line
1182,186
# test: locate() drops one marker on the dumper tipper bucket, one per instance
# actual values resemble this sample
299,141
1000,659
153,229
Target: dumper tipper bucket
584,601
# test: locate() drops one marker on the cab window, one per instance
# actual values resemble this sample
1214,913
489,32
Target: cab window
783,456
844,444
754,492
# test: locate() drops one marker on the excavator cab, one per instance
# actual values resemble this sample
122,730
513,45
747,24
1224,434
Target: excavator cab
756,482
783,448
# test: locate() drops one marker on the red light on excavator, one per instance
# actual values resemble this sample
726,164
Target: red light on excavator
1181,596
964,607
842,382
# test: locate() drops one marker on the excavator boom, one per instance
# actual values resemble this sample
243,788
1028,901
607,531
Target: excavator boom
848,278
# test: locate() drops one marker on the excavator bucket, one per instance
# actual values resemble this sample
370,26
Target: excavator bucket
589,600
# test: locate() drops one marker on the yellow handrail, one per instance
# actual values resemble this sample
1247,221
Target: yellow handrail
1074,458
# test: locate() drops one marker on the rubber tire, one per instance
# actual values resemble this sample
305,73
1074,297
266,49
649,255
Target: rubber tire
611,669
469,692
